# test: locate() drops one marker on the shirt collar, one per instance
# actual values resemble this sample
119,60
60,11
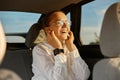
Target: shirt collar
48,45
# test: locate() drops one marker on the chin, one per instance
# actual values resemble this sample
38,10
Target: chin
64,38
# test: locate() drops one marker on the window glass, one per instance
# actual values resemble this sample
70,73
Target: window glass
68,17
17,23
92,16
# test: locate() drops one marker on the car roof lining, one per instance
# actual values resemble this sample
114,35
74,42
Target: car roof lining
36,6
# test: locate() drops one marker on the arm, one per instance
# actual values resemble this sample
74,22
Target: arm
79,66
42,63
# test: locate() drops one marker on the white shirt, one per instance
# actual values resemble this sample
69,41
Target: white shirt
68,66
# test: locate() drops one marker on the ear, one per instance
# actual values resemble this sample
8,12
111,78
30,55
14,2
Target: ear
47,29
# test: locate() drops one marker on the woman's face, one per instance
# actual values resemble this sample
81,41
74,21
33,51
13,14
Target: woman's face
60,25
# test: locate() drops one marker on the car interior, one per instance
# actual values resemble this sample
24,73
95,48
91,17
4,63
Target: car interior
103,59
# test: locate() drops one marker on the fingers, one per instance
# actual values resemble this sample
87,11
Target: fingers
51,34
70,34
53,40
70,38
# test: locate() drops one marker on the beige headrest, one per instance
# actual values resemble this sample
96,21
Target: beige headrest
2,43
110,32
6,74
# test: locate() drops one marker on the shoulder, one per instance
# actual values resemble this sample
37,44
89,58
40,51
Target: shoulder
41,48
38,48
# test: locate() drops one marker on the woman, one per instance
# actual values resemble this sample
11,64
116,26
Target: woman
57,58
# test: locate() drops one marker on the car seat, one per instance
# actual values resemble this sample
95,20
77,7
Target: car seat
5,74
16,64
32,35
109,68
2,43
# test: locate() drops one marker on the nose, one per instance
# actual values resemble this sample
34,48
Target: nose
66,26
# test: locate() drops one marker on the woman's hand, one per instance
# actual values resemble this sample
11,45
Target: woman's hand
69,41
53,40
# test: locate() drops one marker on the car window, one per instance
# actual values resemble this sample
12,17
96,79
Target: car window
92,16
68,17
17,23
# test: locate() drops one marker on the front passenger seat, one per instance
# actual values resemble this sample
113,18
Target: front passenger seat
109,68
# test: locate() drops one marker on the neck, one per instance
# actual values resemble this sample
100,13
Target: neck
63,43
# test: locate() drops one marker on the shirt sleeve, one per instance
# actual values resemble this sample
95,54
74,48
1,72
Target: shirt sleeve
43,64
79,67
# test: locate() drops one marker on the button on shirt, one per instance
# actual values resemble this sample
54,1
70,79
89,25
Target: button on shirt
68,66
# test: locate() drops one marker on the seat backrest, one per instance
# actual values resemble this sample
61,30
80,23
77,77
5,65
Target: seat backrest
32,35
16,64
110,32
109,68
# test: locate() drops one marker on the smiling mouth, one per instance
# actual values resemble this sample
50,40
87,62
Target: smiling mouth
64,32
